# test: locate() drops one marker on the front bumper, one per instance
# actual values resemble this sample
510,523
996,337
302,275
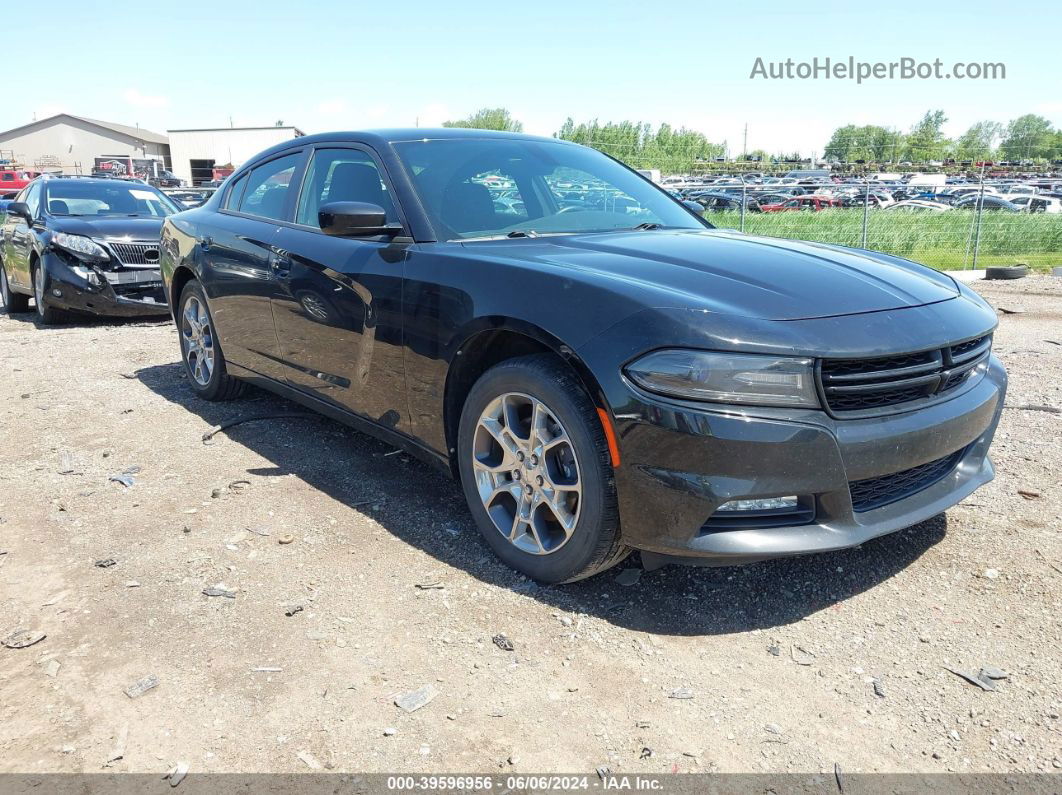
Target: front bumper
113,300
681,461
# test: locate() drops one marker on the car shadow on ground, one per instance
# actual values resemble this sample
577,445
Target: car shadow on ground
71,320
423,507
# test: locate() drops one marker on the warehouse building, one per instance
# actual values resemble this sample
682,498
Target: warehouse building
196,154
72,144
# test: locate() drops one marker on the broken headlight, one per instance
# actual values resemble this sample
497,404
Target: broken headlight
80,246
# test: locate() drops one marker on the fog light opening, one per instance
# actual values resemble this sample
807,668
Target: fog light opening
769,504
57,292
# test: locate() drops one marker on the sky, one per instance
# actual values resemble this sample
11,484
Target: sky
347,64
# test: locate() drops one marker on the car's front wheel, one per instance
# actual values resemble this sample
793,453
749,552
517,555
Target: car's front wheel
200,349
13,302
47,315
536,471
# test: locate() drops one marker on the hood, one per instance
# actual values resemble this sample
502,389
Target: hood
735,274
115,228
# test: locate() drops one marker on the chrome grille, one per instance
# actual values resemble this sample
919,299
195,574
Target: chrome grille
865,385
136,253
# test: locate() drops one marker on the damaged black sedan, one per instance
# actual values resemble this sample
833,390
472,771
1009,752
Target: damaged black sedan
84,244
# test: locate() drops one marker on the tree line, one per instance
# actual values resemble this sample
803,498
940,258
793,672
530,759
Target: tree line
1028,137
672,150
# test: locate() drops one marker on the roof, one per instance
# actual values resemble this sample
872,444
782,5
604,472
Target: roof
397,134
297,131
383,138
235,130
133,132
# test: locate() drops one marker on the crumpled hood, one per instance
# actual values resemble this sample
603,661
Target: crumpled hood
110,228
756,277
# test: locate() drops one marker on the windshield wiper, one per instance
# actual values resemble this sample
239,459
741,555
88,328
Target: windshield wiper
523,233
647,225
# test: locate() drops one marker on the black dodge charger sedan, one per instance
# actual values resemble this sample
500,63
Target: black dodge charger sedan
599,368
87,244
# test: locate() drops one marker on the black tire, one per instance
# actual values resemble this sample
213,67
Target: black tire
1007,272
13,302
220,385
594,543
46,315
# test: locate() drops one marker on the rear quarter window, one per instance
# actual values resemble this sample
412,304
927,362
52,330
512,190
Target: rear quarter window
232,200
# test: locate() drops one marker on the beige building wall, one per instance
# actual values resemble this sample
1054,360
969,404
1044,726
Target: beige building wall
70,143
223,145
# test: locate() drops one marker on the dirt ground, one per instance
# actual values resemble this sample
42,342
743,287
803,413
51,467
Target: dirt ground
793,665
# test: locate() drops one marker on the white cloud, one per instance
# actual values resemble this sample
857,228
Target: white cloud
433,115
332,107
1050,108
139,100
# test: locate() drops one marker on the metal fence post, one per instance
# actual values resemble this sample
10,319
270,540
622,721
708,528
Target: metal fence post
866,207
980,213
742,202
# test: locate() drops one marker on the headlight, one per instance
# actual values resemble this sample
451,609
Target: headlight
728,378
79,245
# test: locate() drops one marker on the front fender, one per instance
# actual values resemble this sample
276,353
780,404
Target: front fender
178,261
467,336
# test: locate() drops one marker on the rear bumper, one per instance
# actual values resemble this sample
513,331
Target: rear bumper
78,295
681,462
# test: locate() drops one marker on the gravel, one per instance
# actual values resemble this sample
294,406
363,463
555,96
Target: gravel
795,644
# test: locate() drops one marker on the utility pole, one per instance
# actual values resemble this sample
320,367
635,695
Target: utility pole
745,143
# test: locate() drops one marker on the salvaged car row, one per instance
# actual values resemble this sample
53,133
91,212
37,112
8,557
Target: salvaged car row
598,367
815,191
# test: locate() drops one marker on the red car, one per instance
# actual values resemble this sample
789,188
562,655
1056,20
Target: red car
13,180
812,203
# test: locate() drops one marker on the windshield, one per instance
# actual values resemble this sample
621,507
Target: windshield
492,187
112,198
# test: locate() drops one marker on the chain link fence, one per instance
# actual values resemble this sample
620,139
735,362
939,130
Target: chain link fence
968,226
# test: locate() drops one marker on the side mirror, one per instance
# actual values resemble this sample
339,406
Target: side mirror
355,219
19,208
694,207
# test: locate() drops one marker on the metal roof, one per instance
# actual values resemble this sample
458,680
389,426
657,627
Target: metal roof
133,132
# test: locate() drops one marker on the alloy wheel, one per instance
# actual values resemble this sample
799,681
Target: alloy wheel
527,473
38,288
197,339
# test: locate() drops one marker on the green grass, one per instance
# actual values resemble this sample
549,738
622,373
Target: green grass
941,240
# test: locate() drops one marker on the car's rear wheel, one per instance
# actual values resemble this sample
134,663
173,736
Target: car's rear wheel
536,471
46,314
13,302
201,350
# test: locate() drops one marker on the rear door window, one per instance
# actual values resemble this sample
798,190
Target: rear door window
269,187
